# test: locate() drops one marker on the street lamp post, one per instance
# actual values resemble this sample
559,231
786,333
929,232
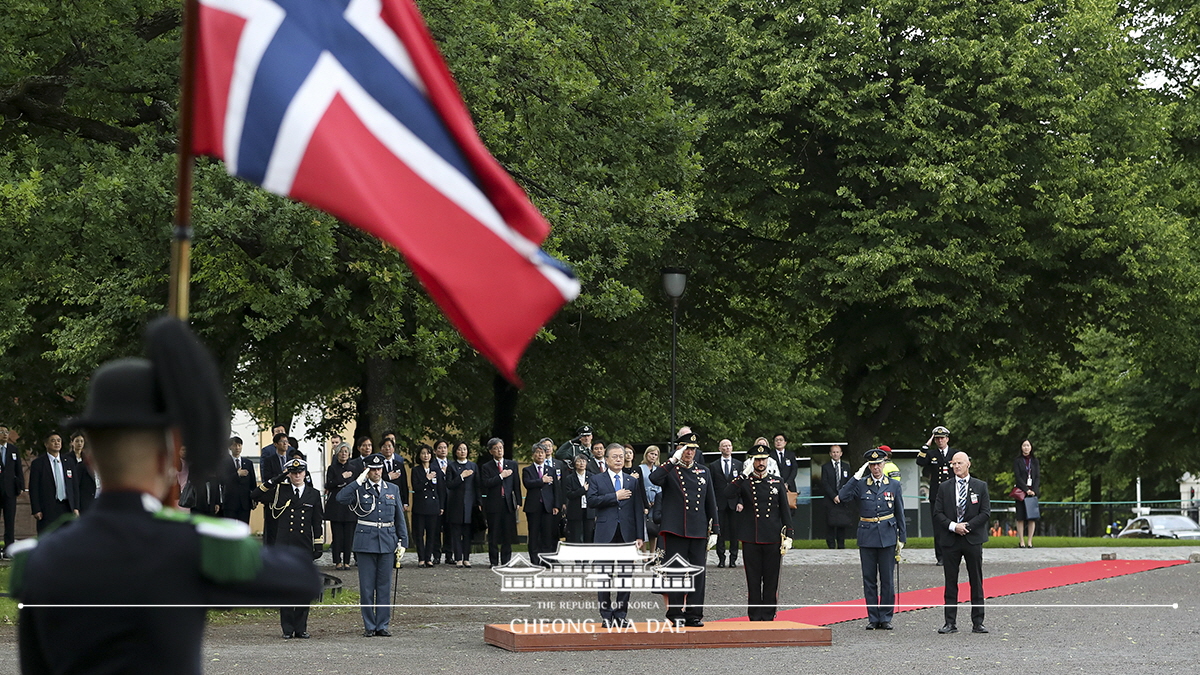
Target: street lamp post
674,280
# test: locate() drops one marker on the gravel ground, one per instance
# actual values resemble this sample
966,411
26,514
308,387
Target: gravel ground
1052,637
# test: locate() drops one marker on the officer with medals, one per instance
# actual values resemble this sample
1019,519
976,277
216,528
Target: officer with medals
134,579
880,529
689,515
300,518
936,463
762,518
380,538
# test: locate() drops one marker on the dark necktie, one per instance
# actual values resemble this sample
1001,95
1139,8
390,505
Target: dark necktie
837,471
962,499
500,472
728,470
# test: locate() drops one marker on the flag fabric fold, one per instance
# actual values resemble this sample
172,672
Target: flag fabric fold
347,105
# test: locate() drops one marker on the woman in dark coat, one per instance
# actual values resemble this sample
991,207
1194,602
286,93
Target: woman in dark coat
581,520
84,475
428,496
1027,474
840,516
462,492
341,472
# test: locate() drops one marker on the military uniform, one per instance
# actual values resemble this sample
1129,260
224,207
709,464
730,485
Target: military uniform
937,469
567,451
689,510
760,527
380,531
299,524
881,525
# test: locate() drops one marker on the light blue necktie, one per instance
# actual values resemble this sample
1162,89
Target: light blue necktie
617,482
60,491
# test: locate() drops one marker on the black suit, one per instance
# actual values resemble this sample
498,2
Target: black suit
239,490
428,502
85,480
617,521
839,518
726,507
541,502
788,467
501,498
12,483
42,490
958,547
581,518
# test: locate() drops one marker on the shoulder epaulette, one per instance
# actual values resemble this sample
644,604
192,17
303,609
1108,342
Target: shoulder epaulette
19,552
227,551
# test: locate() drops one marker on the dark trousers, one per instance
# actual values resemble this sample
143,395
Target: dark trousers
879,588
342,533
243,515
424,535
293,620
53,512
375,588
502,529
8,504
270,527
835,536
460,541
543,534
727,536
686,605
957,549
939,535
762,579
444,547
610,610
581,531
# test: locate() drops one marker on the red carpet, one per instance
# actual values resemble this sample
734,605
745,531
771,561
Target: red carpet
993,587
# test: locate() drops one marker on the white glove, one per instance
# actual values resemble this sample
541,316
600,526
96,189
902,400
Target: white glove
675,458
785,545
362,477
748,467
399,555
899,549
861,470
712,542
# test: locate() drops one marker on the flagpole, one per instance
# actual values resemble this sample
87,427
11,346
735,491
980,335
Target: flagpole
181,239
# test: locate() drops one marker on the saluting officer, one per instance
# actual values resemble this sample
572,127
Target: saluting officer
300,521
880,527
936,461
762,516
380,534
689,514
131,580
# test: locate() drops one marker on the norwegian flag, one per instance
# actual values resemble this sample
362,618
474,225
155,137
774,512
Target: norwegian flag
346,105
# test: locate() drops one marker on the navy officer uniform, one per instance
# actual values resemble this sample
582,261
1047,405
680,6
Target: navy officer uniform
880,526
762,516
379,537
135,579
936,463
300,524
689,513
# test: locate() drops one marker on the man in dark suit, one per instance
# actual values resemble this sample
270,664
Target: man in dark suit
596,463
689,513
962,509
541,505
839,514
53,490
936,463
239,483
301,525
12,483
271,467
501,498
785,460
724,469
620,518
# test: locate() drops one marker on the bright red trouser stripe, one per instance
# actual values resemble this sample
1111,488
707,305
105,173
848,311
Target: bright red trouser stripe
495,297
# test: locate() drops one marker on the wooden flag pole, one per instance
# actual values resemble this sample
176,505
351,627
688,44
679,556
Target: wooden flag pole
181,240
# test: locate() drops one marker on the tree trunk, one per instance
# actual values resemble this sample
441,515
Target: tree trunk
379,402
504,412
863,430
1095,525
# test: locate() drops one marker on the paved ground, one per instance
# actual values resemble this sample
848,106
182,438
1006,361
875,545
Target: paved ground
1052,637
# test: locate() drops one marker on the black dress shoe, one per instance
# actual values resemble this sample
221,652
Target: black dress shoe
979,628
626,623
680,623
948,628
870,625
288,636
383,632
733,563
303,635
721,563
693,623
368,633
886,625
940,563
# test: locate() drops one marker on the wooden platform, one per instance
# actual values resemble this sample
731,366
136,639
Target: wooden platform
567,636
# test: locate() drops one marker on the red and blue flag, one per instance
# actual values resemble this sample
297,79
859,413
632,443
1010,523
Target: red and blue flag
348,106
